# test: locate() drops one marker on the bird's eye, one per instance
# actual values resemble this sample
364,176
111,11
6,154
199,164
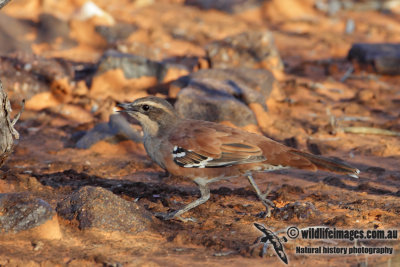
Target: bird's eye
145,107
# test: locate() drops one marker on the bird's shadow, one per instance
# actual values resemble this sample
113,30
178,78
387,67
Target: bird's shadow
152,191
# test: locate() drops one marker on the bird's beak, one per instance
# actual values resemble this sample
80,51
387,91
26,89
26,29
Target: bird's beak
126,107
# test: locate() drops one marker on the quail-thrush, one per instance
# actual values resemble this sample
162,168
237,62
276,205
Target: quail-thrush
207,152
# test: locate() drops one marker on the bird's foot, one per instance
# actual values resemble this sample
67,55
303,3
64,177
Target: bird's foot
266,202
268,205
264,195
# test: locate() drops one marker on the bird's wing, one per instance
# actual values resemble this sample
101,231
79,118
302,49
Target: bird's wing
204,145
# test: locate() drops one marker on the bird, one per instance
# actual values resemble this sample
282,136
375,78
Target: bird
207,152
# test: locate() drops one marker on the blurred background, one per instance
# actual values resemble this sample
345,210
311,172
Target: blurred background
317,75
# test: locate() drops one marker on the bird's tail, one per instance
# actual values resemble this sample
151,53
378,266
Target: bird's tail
327,164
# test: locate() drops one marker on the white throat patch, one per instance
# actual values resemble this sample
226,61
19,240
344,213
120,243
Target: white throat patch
149,126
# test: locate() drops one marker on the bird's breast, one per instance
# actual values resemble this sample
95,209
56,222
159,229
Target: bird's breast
153,149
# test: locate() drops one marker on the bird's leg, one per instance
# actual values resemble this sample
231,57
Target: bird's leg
262,196
205,195
264,250
256,243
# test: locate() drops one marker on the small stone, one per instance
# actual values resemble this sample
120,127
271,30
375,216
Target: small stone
333,6
334,181
289,192
22,211
89,10
229,6
124,77
359,205
96,207
365,95
254,49
376,170
133,66
388,65
337,221
350,26
117,32
138,48
36,246
51,29
117,129
385,58
372,189
12,31
302,211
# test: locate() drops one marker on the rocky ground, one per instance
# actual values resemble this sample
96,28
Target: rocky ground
79,189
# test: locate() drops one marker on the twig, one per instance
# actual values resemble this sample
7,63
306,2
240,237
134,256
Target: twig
347,74
3,3
7,131
348,118
16,118
368,130
325,139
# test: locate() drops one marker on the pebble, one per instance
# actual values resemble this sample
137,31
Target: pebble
384,57
22,211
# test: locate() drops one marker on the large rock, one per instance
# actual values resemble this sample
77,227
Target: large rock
222,94
217,106
248,85
95,207
22,211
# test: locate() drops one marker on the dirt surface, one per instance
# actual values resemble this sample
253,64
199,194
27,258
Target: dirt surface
319,101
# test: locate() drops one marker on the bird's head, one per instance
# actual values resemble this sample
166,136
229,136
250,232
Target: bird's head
155,115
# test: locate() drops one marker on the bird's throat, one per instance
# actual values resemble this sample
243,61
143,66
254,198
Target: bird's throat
150,127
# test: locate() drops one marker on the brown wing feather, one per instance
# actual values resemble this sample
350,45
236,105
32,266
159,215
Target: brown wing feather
278,154
210,147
